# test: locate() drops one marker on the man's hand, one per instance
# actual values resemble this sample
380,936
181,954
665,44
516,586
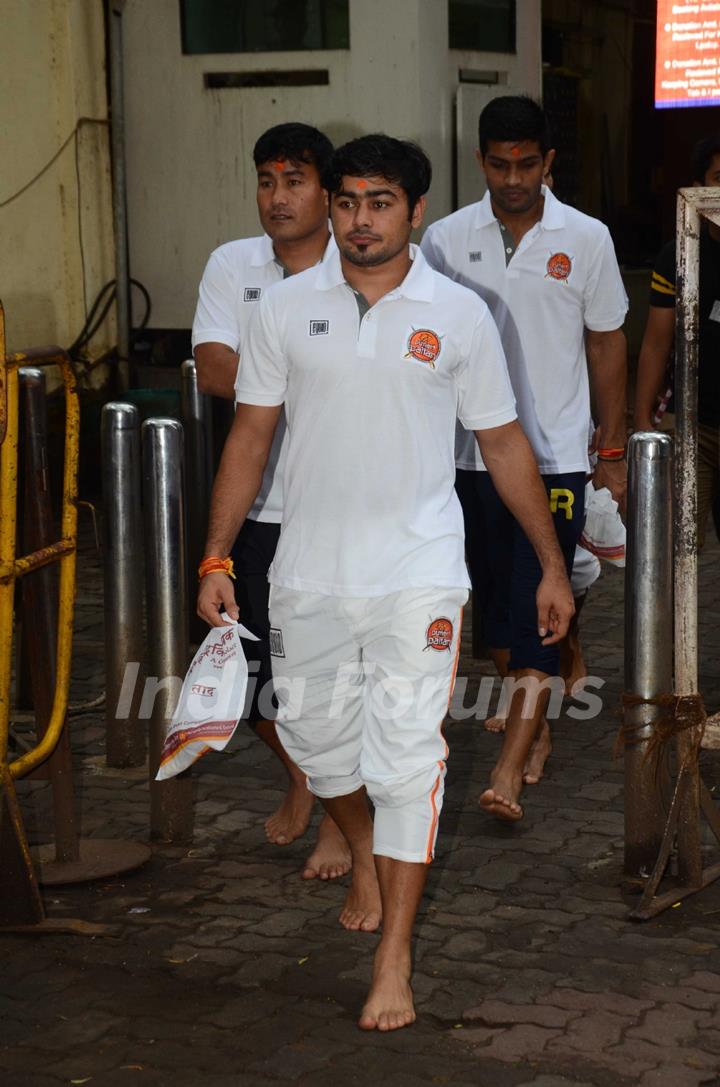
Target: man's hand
613,475
555,606
216,591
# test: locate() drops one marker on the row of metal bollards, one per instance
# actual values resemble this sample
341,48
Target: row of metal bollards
146,474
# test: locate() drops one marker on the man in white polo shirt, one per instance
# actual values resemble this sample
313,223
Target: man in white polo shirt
550,277
373,355
293,210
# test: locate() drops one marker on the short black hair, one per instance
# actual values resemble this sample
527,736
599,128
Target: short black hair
513,117
399,161
702,156
294,142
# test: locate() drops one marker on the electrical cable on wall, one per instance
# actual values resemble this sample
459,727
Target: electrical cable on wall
106,295
73,135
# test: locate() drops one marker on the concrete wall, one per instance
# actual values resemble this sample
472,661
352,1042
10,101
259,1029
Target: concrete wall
52,58
189,150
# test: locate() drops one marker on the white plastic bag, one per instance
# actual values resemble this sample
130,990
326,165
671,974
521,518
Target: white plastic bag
604,531
211,701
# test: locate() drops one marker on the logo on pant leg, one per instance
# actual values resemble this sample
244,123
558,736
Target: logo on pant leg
276,643
562,499
439,635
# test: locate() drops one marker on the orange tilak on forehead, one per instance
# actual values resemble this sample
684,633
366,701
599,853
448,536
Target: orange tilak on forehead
279,165
515,151
362,184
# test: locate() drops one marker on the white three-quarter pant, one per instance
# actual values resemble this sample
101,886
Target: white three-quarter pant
363,686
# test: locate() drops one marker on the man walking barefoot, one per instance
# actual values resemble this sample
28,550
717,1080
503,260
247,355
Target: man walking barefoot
550,277
293,210
374,355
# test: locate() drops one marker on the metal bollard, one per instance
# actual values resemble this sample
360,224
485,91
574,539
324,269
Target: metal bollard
170,801
197,425
125,743
648,642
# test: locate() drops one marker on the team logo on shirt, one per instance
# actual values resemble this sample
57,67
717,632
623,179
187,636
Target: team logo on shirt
277,649
423,346
252,294
319,328
559,266
439,635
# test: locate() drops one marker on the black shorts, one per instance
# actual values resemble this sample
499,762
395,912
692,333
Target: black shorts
504,569
252,554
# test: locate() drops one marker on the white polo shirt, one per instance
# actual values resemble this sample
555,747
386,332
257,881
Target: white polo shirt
371,403
562,278
235,279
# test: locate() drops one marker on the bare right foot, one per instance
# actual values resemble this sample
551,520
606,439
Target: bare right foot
389,1005
501,799
362,911
292,817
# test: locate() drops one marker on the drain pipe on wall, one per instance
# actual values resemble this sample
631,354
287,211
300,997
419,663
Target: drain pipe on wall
119,191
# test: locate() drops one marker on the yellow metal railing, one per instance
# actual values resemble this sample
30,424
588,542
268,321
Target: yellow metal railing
63,550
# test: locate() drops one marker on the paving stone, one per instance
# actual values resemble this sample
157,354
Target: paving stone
675,1025
495,1013
702,979
555,1081
522,1042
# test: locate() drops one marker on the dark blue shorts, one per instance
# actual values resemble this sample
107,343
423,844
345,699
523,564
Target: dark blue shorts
504,569
252,553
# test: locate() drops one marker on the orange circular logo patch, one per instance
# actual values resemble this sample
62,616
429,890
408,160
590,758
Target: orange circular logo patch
439,635
424,346
559,266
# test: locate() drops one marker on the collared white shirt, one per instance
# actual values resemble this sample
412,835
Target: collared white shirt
562,278
235,278
371,403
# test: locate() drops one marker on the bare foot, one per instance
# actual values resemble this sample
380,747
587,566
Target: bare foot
538,756
501,799
331,856
389,1005
495,724
362,911
292,817
572,663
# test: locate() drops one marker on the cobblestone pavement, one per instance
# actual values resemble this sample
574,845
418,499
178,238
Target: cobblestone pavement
224,968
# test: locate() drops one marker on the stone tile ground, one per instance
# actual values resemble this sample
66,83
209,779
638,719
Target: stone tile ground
235,972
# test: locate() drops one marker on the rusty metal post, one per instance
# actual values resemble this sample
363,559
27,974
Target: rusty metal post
40,605
197,426
648,643
125,743
686,636
171,815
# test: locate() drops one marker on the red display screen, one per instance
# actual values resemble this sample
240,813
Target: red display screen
687,64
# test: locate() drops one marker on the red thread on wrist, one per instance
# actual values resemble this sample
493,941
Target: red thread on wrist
214,565
617,453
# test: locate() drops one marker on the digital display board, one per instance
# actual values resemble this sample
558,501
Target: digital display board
687,59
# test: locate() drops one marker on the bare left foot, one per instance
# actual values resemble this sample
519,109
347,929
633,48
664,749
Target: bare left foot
539,754
362,910
389,1005
502,798
292,817
572,663
495,724
331,856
